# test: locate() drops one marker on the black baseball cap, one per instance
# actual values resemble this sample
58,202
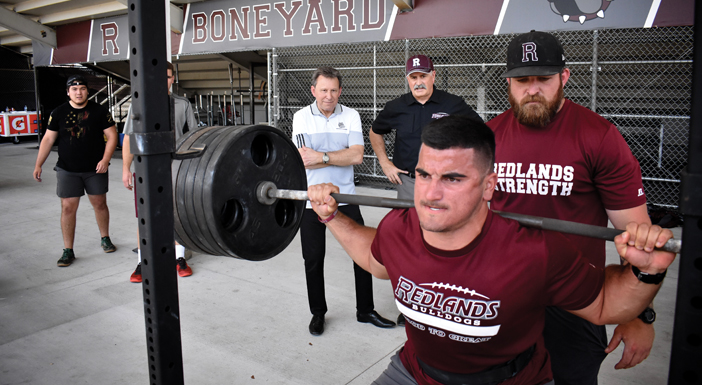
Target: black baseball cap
534,54
76,80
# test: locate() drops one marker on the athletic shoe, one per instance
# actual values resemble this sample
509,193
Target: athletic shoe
107,245
136,275
67,258
183,269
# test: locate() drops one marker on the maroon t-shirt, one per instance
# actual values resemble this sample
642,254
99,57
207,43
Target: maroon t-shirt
470,309
573,169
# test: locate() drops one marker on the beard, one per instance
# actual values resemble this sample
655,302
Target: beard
535,115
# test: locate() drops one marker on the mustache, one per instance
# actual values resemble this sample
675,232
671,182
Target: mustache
533,98
419,87
433,204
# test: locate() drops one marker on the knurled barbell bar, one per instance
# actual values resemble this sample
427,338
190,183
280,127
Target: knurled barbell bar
268,193
227,201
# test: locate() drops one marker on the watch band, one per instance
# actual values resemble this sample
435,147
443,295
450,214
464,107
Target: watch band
325,158
653,279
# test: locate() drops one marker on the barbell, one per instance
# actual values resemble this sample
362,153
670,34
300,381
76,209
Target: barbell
227,201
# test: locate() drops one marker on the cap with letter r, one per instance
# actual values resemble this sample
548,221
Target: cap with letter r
76,80
534,54
419,63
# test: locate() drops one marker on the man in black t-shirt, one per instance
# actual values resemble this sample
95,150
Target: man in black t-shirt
79,128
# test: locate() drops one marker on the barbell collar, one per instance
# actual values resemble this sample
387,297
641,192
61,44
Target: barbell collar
267,193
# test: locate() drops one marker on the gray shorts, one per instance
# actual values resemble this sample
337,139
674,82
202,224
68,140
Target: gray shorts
396,374
76,184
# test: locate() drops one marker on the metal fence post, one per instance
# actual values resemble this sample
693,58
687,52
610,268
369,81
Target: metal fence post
274,85
268,85
595,69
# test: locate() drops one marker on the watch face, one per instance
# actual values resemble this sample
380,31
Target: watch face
648,316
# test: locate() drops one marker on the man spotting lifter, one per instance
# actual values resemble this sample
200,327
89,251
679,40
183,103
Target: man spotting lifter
472,285
588,175
79,128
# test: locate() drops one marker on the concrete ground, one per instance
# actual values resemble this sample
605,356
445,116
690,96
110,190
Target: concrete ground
242,322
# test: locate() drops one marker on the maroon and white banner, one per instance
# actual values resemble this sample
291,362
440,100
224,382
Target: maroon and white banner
225,25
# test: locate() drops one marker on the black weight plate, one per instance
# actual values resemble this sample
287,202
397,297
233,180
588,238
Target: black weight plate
211,159
186,180
252,230
193,203
184,189
178,172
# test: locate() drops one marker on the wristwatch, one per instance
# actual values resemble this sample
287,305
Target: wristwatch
325,158
653,279
648,316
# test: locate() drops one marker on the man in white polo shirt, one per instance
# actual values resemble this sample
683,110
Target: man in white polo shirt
330,140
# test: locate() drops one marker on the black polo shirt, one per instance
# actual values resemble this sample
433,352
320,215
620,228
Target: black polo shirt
408,116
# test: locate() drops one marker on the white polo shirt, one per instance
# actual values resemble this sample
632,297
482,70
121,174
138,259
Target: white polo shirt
341,130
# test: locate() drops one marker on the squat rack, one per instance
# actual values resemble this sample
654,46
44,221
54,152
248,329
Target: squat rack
153,144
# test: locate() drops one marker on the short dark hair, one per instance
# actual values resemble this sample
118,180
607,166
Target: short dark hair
327,72
169,66
460,131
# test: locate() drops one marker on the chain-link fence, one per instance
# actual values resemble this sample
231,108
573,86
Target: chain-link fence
639,79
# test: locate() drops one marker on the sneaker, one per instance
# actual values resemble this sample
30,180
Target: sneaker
136,275
107,245
183,269
67,258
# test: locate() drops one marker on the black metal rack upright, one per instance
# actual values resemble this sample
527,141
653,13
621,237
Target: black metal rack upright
153,144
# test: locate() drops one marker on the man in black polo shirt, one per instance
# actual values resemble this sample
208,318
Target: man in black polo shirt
408,114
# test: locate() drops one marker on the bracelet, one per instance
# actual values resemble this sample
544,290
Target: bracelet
329,218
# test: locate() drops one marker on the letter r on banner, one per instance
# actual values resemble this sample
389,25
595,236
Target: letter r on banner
110,32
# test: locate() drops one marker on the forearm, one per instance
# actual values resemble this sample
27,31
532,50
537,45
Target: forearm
344,157
111,134
378,143
127,156
624,297
356,240
44,150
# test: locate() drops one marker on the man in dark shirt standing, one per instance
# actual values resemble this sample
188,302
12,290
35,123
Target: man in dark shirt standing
80,127
408,114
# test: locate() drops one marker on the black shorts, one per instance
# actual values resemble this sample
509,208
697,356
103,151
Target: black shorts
76,184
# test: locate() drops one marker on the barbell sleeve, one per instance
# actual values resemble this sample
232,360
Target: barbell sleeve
606,233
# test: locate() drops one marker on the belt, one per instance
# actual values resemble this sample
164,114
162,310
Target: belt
491,376
411,175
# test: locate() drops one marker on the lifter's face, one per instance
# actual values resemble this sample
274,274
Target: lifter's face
535,100
78,95
451,188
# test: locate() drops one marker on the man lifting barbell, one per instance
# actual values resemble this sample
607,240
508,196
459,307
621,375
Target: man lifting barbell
474,286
